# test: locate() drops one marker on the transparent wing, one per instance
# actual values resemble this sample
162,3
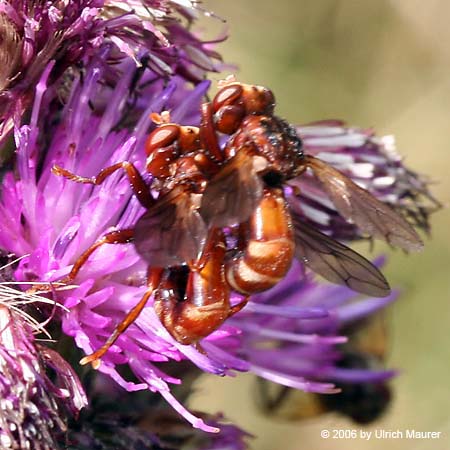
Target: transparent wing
233,193
336,262
172,232
363,209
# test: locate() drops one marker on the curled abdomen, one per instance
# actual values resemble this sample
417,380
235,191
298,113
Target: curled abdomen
270,247
193,304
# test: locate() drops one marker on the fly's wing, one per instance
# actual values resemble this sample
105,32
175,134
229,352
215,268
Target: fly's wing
172,231
336,262
231,196
363,209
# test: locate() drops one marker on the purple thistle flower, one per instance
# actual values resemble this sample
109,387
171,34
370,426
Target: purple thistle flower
373,163
280,347
34,33
54,221
356,367
32,407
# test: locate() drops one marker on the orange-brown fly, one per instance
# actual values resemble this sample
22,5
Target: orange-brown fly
191,304
210,195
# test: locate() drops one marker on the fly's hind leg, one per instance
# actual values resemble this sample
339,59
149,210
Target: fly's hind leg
114,237
236,308
153,280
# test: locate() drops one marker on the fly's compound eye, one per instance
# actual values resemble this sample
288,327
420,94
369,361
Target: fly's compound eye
163,136
227,96
228,118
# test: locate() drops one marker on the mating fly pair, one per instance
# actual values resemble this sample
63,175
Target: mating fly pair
221,220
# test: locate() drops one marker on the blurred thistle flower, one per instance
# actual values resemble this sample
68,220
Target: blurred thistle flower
279,348
69,32
33,405
373,163
356,367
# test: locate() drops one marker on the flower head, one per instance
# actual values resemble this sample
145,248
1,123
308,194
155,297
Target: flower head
57,220
33,407
32,34
373,163
281,348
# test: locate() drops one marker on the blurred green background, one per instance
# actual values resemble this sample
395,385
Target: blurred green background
382,64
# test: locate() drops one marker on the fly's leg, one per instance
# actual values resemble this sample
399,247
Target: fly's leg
208,133
153,280
138,185
236,308
114,237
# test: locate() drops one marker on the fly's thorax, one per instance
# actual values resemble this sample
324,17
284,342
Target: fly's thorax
275,140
